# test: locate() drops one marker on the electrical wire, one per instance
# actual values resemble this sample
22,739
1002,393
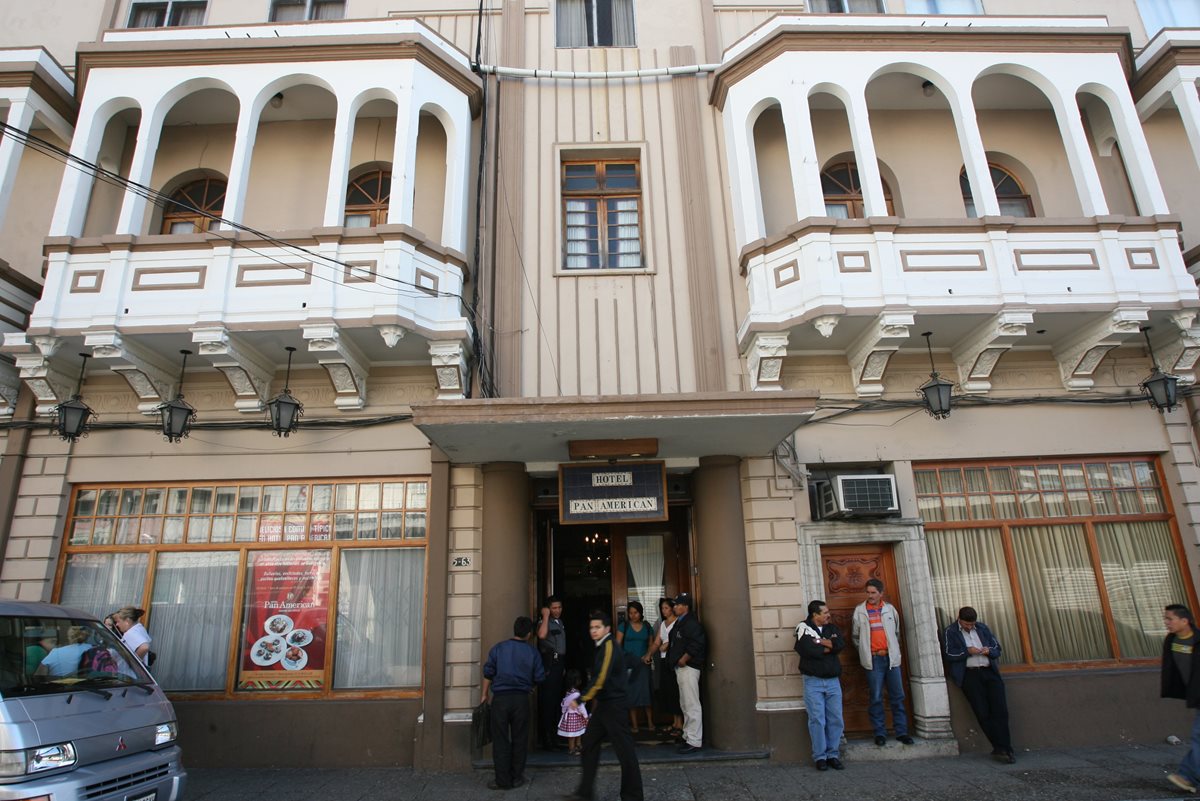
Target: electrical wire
310,424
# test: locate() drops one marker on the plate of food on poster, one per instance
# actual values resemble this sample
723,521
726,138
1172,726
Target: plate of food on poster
294,658
299,637
267,650
279,624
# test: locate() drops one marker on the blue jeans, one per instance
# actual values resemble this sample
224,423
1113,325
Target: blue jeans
1189,768
823,698
877,676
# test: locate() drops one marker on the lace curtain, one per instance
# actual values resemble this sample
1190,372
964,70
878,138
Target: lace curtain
624,240
381,611
644,553
968,570
101,583
581,234
190,614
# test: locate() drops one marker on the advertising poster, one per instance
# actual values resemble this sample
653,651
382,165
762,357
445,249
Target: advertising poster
287,616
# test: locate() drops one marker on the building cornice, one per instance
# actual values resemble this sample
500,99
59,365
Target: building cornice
34,76
1172,55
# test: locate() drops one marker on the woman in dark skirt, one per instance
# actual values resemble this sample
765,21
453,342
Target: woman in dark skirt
635,636
666,691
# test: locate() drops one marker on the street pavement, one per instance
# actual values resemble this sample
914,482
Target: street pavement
1112,773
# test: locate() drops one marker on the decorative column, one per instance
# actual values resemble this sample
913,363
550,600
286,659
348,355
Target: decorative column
865,157
1135,151
458,156
20,116
70,211
404,156
339,165
133,208
802,153
1188,102
239,163
729,693
983,191
506,579
1079,156
747,219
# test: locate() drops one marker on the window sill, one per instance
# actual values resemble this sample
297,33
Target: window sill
592,273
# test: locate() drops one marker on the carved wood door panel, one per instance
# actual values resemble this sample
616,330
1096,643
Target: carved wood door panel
846,569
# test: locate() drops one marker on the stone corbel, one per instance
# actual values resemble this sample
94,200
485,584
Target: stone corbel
1178,348
870,353
49,384
450,368
826,323
10,385
764,361
1080,356
150,376
248,373
347,368
392,334
978,354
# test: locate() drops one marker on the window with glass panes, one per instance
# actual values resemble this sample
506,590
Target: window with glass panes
212,562
168,14
297,10
601,215
1068,561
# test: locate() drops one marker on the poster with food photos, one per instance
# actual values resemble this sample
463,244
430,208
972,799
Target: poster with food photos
286,621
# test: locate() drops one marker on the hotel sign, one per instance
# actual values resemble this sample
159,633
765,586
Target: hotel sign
623,492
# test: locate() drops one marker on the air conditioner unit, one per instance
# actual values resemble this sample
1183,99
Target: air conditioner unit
855,496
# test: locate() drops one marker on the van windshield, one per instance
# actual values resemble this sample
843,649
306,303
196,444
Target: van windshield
44,655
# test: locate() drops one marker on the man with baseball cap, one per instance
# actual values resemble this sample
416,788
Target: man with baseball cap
687,651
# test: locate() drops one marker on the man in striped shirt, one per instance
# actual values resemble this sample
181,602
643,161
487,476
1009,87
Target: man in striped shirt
610,715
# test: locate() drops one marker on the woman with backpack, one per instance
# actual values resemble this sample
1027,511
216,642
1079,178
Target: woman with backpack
133,633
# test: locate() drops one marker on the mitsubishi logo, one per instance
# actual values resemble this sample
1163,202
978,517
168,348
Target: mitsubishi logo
121,744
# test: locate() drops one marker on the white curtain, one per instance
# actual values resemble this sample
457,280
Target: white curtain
942,7
381,613
622,23
571,23
581,233
148,16
189,15
102,583
1141,574
1058,585
968,570
1159,14
624,235
190,617
329,9
287,11
644,553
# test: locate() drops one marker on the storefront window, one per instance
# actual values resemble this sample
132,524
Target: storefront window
298,587
1067,562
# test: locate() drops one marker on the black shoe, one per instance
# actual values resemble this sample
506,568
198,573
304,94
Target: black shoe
904,738
835,763
494,786
822,764
880,739
517,782
1009,758
687,748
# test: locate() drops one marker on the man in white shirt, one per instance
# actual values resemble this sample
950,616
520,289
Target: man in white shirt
973,654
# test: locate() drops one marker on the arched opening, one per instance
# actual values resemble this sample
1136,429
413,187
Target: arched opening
1016,118
368,196
195,147
1014,200
193,206
115,155
843,191
429,183
776,194
1104,142
295,128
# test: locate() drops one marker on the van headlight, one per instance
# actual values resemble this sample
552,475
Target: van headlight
36,760
166,733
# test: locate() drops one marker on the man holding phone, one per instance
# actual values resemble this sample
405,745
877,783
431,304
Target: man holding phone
973,654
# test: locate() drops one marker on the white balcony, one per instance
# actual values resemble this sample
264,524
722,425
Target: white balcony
346,299
865,287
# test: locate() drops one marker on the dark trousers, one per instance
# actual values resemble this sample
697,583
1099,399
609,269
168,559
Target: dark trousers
985,693
550,695
510,736
611,721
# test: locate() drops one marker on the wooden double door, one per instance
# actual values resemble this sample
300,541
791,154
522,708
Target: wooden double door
846,570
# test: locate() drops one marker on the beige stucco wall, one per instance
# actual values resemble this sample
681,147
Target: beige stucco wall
27,219
1120,13
116,154
1177,169
58,25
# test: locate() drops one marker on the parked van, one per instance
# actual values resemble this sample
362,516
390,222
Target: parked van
80,718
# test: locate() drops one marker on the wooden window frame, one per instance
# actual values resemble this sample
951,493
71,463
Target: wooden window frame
853,198
1087,522
1021,195
243,549
200,222
377,210
603,196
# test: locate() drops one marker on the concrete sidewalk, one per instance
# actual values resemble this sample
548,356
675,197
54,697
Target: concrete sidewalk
1117,773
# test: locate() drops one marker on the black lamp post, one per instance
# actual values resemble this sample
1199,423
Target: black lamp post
936,391
285,411
71,416
1161,389
177,415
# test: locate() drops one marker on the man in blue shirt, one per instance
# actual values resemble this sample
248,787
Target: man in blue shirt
511,670
973,655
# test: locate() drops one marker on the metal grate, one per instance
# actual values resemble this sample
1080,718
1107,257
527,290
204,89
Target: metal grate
127,782
868,493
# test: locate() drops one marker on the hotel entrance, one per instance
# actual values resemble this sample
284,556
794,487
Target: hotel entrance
607,565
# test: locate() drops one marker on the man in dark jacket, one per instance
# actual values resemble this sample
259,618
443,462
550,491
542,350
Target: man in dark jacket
511,670
686,654
973,654
1181,679
610,715
819,641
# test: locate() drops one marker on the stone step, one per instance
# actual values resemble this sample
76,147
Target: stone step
866,751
